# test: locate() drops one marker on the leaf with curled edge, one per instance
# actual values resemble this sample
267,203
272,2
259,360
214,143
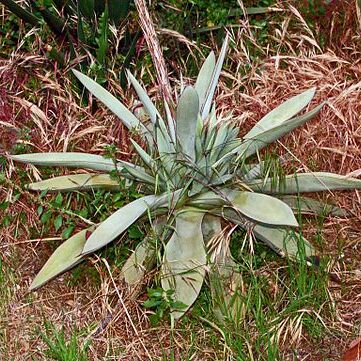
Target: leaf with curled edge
185,258
73,182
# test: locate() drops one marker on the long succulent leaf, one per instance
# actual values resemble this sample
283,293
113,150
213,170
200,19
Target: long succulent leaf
259,208
307,205
263,209
144,257
124,217
306,182
282,241
220,142
117,107
71,159
137,172
248,147
206,107
144,98
165,143
65,257
147,159
170,122
252,145
211,227
139,262
283,112
204,78
118,222
187,116
74,182
183,268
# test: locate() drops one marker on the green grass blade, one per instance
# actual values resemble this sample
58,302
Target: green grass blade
65,257
284,242
74,182
102,37
118,10
86,8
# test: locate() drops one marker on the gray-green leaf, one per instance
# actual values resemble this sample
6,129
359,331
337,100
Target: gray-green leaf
307,205
187,116
284,242
283,112
73,182
306,182
262,208
205,76
117,107
124,217
207,104
65,257
257,207
251,146
71,159
139,262
184,262
144,98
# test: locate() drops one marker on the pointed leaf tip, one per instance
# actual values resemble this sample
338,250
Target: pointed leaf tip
65,257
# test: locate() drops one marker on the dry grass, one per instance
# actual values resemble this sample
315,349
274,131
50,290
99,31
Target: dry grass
116,324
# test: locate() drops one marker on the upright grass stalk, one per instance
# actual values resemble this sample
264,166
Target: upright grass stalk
155,50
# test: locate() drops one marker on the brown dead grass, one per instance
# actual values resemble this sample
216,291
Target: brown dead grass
331,142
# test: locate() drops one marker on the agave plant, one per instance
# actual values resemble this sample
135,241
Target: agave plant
194,171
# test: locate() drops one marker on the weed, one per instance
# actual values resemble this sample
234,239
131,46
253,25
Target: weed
162,303
61,349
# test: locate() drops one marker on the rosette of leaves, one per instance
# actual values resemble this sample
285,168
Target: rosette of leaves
194,171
